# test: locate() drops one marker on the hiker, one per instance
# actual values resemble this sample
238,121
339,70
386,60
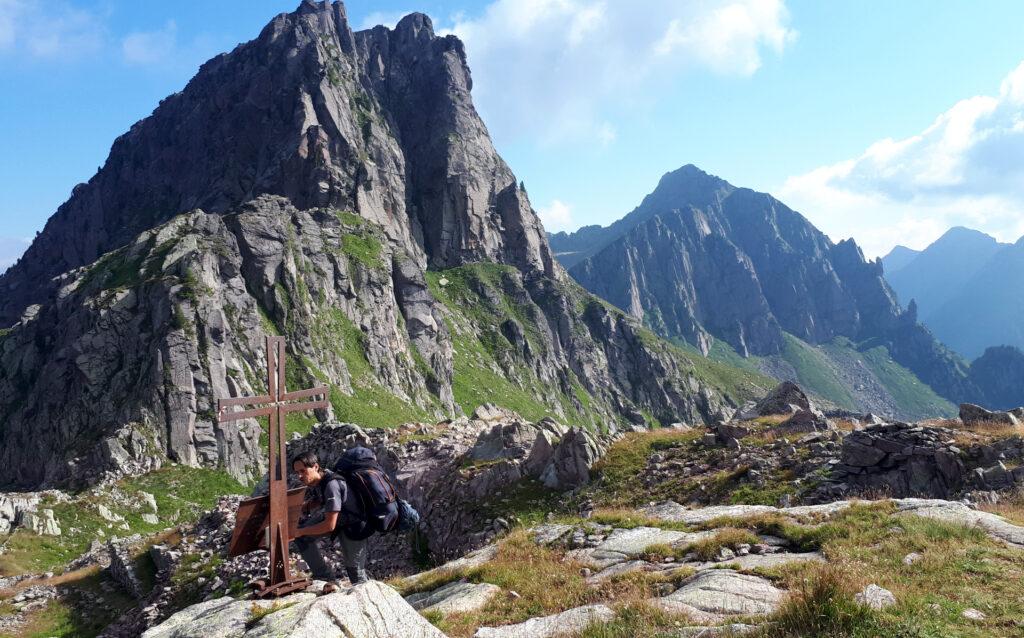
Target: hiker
340,510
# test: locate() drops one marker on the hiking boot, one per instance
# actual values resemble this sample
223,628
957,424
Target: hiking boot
356,575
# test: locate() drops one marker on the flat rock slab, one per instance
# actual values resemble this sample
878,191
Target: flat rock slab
469,561
372,610
676,513
725,592
457,597
721,631
550,532
566,623
624,544
753,561
627,567
954,512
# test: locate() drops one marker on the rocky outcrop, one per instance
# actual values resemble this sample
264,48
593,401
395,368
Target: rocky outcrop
453,477
42,523
717,593
900,460
971,414
786,398
372,610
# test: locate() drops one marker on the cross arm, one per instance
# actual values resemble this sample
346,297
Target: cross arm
244,414
306,405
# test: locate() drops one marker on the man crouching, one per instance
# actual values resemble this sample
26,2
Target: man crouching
329,506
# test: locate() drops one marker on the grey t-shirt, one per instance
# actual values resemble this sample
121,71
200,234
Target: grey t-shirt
334,496
331,494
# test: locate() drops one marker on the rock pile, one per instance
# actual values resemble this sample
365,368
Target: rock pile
450,470
907,460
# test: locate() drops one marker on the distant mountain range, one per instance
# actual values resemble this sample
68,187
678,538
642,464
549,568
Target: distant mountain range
740,276
966,286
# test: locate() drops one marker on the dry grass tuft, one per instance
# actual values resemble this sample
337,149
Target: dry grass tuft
731,537
1010,507
966,434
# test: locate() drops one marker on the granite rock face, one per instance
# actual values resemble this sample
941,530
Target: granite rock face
346,164
371,610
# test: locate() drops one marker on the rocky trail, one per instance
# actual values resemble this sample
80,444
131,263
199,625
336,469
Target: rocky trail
549,530
734,593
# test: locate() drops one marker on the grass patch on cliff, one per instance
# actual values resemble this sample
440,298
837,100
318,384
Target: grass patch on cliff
619,471
476,382
369,404
365,249
488,368
722,369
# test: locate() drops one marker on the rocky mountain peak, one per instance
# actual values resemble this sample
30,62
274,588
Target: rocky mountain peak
378,122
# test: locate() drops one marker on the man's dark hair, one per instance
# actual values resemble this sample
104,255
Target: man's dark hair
309,459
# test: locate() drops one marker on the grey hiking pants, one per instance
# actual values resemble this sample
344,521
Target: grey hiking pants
353,551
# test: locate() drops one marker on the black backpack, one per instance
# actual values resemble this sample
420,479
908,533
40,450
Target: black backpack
378,500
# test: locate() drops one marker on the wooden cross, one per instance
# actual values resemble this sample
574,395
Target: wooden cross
284,505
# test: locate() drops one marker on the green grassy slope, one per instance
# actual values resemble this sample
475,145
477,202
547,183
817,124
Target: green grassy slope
851,376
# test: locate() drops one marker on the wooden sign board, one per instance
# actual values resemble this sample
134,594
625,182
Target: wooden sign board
254,516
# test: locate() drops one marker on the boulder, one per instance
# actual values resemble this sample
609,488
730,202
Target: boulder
42,523
504,441
970,413
875,597
148,502
570,464
782,399
107,515
371,610
805,421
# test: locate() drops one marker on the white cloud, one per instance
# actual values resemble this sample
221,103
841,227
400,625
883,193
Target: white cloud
556,216
553,69
151,47
967,168
50,29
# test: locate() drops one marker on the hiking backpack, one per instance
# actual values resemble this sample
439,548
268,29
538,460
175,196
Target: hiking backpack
382,510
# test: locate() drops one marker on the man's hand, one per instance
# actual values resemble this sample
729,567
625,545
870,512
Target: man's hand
325,526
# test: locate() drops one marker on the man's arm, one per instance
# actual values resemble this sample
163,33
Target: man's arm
325,526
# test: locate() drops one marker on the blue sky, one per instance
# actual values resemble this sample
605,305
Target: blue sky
888,122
